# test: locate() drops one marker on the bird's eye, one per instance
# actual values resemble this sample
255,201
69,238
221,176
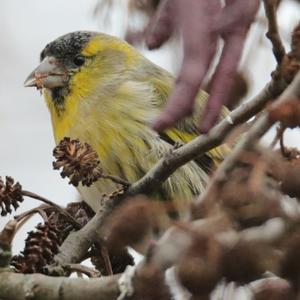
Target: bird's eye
79,60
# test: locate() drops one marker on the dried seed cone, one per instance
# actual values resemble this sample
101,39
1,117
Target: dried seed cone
250,195
10,195
79,162
130,223
246,262
40,247
249,207
287,113
199,270
81,212
290,262
287,173
150,284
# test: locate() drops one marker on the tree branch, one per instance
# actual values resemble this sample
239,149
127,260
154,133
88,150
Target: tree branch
77,243
15,286
36,286
54,205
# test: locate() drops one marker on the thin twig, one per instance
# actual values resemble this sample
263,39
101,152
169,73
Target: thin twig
31,212
92,273
24,217
279,132
273,34
283,149
54,205
116,179
107,263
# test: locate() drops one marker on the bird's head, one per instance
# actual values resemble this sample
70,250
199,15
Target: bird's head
77,63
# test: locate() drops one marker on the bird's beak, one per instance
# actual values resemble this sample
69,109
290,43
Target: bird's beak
49,74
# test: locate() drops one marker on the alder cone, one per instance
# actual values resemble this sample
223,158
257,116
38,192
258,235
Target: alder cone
150,284
40,247
247,207
246,262
199,269
10,195
290,263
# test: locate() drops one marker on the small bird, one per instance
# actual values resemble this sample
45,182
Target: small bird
102,91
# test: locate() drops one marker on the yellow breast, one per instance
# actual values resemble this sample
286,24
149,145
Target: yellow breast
116,126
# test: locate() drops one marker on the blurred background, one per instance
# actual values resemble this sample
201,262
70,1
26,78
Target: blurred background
25,129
